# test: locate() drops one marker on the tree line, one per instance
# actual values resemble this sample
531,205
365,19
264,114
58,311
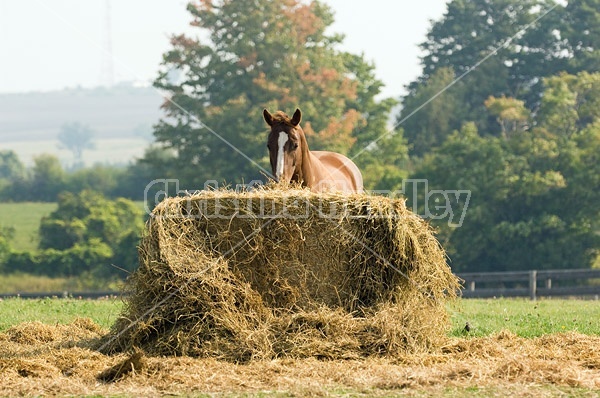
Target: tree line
88,235
507,106
47,178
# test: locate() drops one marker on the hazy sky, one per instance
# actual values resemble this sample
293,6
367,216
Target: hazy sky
53,44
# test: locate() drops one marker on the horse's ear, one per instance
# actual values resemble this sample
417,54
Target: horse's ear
268,117
297,117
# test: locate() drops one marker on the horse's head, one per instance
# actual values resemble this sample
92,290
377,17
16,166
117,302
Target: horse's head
284,145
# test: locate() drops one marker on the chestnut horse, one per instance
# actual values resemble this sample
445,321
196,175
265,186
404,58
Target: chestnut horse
291,160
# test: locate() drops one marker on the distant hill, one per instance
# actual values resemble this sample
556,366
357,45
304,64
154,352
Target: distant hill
121,117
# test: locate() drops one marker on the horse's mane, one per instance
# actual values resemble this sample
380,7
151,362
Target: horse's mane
281,118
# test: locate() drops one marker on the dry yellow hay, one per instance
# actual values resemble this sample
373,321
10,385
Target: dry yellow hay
59,360
285,273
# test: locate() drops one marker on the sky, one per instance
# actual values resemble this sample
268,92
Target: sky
54,44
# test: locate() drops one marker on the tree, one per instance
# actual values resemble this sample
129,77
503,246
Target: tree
495,49
6,235
570,113
386,163
99,178
570,102
527,149
580,31
428,129
511,114
157,163
12,175
48,179
76,137
258,54
534,195
11,167
472,29
513,220
87,225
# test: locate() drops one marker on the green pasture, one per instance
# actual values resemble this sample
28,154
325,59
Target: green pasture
14,311
485,316
524,317
25,218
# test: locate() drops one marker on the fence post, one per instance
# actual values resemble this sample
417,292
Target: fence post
532,284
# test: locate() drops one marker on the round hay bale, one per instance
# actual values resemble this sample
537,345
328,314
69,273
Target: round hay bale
285,273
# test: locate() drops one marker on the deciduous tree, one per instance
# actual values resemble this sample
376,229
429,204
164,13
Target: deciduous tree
254,54
76,137
11,167
496,48
89,224
534,195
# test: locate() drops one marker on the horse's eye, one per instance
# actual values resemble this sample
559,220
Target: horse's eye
294,146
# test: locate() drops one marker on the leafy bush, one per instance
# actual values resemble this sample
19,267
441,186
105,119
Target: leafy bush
87,233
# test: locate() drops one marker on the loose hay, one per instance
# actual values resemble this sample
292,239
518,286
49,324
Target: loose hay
504,364
134,363
271,273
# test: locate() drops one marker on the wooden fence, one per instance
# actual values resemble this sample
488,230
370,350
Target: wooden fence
532,284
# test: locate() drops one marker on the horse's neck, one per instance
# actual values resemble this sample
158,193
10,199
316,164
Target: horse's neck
308,162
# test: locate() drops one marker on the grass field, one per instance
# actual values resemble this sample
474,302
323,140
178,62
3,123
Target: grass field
25,218
522,317
52,311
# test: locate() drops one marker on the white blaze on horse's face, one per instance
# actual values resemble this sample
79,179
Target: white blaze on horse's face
283,139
